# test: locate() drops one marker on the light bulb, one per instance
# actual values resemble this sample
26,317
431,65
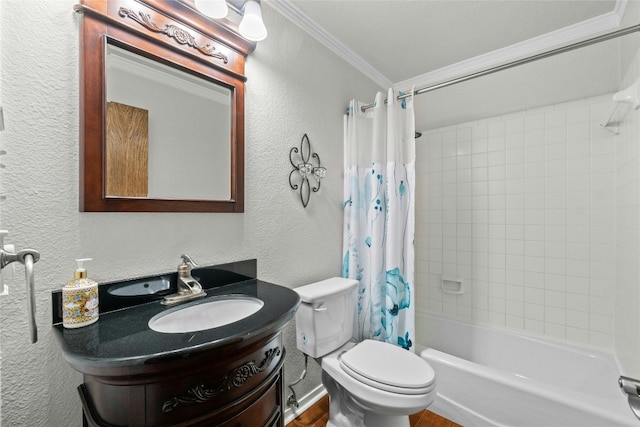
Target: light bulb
212,8
251,27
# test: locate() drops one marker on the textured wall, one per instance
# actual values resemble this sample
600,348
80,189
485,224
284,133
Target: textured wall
295,86
1,174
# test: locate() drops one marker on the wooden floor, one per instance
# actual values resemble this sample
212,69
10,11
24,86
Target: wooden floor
318,415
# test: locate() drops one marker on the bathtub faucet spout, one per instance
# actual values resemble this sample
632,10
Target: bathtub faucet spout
631,387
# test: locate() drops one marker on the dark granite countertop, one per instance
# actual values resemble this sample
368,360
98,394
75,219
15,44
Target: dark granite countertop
121,338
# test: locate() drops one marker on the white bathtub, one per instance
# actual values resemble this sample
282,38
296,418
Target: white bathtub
494,377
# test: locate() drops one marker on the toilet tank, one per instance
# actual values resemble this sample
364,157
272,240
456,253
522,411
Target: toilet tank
324,320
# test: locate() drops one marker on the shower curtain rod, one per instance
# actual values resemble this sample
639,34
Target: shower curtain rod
553,52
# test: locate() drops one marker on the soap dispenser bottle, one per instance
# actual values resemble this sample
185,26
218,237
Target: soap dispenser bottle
80,299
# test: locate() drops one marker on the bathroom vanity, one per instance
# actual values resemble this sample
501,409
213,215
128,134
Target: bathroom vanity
230,375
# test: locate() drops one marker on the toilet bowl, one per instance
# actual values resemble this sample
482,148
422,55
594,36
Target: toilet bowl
376,384
370,383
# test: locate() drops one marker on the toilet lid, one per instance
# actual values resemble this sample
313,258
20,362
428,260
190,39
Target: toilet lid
385,364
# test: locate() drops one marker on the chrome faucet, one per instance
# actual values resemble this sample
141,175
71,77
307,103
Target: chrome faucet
188,287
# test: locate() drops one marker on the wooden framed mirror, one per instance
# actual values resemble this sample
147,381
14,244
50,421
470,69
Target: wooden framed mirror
161,108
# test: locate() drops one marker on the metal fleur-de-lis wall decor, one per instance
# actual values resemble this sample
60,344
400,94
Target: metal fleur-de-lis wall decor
305,165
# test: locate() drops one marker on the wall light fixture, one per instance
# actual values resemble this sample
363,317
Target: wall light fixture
251,26
215,9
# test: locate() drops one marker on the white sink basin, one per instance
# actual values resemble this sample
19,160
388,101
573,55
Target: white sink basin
205,315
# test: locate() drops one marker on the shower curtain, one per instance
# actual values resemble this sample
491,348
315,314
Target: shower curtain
378,234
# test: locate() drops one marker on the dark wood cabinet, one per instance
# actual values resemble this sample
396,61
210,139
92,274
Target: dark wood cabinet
229,376
237,385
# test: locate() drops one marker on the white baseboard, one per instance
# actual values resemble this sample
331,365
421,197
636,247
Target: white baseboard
305,403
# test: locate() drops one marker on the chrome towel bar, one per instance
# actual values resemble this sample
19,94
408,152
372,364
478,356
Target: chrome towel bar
28,257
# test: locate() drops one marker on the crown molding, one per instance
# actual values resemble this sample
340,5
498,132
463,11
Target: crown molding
587,28
301,19
584,29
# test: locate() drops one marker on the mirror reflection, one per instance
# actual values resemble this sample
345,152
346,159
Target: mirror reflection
168,132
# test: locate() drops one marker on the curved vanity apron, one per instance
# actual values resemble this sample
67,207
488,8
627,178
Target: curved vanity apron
388,367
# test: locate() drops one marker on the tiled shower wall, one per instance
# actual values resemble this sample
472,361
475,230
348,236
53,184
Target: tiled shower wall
522,209
627,299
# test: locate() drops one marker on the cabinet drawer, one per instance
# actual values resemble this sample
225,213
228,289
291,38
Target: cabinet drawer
198,394
260,412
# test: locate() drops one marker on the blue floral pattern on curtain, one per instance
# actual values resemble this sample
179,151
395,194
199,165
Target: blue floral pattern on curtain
379,217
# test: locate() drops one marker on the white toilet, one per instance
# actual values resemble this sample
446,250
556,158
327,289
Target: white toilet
370,383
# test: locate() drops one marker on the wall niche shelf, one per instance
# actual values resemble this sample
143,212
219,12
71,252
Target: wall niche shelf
624,101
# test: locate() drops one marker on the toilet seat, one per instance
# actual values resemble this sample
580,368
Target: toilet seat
388,367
